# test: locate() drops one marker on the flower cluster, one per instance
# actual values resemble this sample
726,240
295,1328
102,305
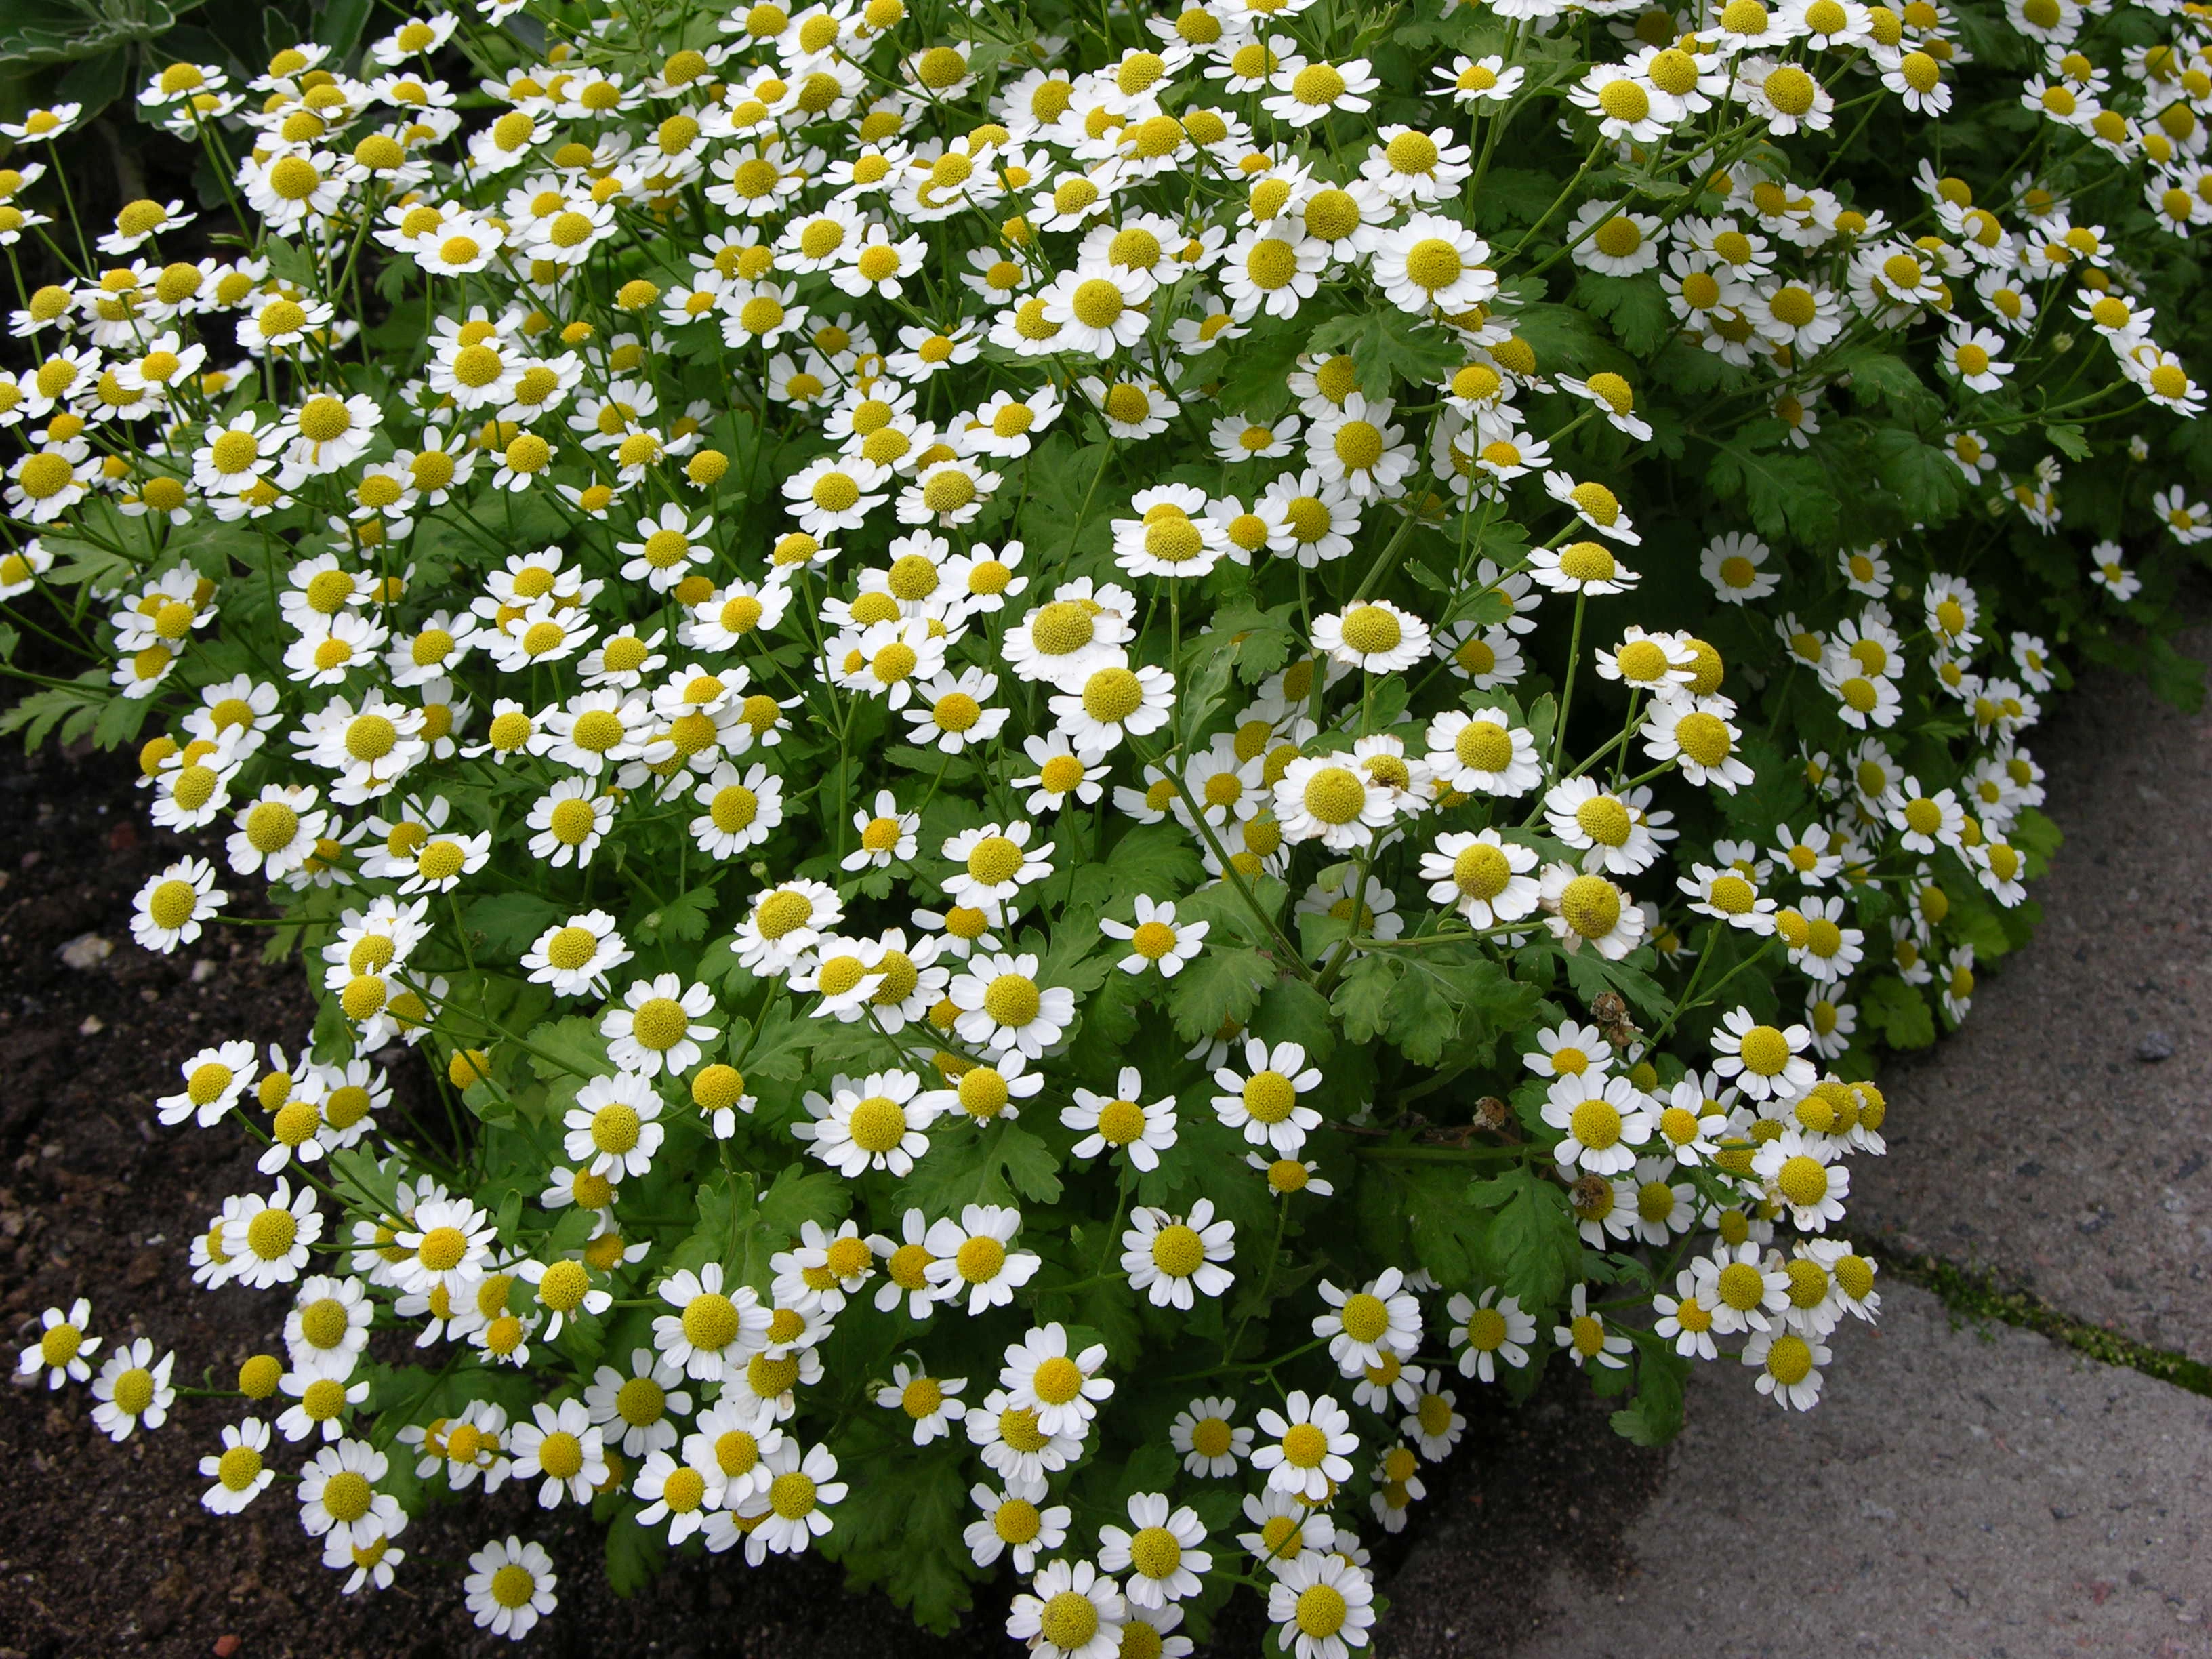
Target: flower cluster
1100,757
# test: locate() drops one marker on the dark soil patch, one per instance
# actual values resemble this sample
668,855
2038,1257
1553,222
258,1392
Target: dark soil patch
105,1549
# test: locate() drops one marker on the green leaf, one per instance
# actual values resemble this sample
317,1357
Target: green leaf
1422,1017
119,723
1899,1012
568,1047
1492,1005
2037,838
1255,385
1221,984
683,917
506,925
340,25
1362,1000
724,1205
635,1554
73,707
1533,1247
1514,196
294,263
1291,1011
1263,639
1877,377
2175,679
1567,340
1109,1021
52,31
1053,521
1386,345
1654,1416
797,1196
1209,1162
1777,794
1202,682
2067,441
778,1049
1593,974
1788,495
1154,859
987,1166
931,763
1636,307
899,1528
1928,487
1448,1233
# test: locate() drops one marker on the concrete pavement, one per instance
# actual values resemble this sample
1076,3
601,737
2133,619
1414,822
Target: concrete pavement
1962,1489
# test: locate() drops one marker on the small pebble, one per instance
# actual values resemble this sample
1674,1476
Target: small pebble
85,952
2155,1046
93,1026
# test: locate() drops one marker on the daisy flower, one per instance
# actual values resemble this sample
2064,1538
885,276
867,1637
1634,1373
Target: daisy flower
1169,1258
1490,1328
1122,1123
1306,1448
1602,1120
932,1404
1377,636
1698,736
873,1122
1262,1102
132,1388
1320,797
1800,1172
1585,1337
63,1349
970,1256
1211,1443
240,1471
1069,1612
1484,752
510,1586
1014,1521
1789,1367
1734,565
1766,1061
1580,567
1586,908
661,1025
1155,938
1160,1552
1002,1007
267,1239
575,958
1379,1318
1112,702
213,1079
1430,263
613,1130
1062,1391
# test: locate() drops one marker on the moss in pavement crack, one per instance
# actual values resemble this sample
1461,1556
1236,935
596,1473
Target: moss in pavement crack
1971,1294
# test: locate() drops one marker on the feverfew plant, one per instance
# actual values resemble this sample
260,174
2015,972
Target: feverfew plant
1109,753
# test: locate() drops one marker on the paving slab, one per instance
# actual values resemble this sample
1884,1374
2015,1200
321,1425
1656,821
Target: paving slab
1958,1492
2062,1137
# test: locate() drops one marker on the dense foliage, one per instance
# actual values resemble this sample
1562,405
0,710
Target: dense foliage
1109,753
